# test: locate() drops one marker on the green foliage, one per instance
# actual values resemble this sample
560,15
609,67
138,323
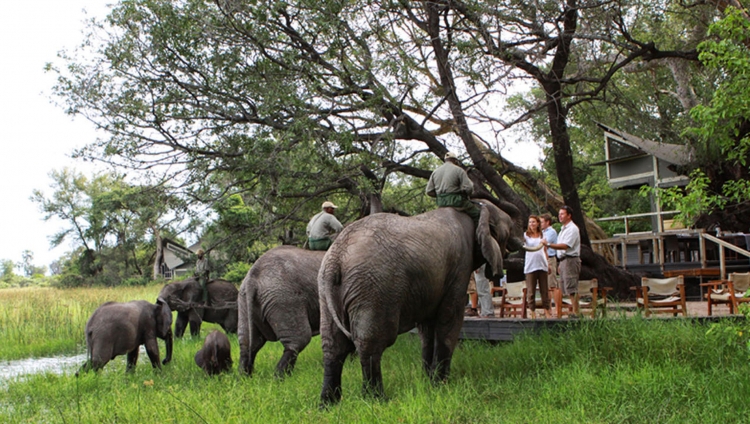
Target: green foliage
236,272
692,201
112,223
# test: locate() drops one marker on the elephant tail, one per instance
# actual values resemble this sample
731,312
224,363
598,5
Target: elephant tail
330,276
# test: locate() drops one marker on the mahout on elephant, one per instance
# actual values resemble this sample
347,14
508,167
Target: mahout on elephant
186,297
215,356
385,274
278,301
121,328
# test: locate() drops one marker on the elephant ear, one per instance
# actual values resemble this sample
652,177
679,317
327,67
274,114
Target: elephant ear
489,220
163,317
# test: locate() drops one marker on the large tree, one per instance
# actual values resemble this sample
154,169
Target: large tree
113,225
292,102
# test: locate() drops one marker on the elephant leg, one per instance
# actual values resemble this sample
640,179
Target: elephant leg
152,350
195,320
292,347
333,367
180,324
132,359
446,339
286,363
372,377
247,356
336,348
229,324
427,335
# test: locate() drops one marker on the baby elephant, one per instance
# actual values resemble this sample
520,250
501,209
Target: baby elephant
216,355
118,328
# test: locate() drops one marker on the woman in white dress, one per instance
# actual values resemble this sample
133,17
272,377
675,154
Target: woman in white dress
535,267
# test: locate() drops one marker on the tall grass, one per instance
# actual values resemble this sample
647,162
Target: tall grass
602,371
47,321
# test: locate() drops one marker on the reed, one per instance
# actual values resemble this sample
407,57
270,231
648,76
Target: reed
47,321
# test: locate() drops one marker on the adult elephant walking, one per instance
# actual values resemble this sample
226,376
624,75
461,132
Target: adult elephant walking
278,301
385,273
186,297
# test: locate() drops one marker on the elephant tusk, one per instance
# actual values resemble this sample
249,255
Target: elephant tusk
532,248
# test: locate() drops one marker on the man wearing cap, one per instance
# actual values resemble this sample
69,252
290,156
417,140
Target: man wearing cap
321,227
451,187
202,272
568,248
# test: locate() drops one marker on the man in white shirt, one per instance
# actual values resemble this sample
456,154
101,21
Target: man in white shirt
322,227
568,248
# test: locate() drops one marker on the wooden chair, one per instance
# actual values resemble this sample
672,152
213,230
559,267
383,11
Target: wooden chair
661,295
512,303
590,297
728,292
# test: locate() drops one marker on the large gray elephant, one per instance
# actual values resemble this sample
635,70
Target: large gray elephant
118,328
278,300
385,274
186,297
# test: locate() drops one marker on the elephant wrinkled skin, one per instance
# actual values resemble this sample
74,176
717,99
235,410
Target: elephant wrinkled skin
118,328
222,310
386,273
278,300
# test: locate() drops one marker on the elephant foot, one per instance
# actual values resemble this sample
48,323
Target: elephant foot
329,398
376,393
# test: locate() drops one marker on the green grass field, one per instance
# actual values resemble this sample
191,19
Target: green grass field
604,371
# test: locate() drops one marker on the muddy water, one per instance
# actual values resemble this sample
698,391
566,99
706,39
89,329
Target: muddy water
56,365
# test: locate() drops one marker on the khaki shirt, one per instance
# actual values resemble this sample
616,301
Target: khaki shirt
201,266
448,179
323,224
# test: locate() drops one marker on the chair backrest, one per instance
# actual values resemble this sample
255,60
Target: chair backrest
662,286
585,286
515,289
741,281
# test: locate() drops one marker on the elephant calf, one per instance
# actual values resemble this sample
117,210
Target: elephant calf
216,355
118,328
278,300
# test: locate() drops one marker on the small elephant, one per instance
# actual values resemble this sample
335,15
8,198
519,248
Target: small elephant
278,300
118,328
186,297
216,355
385,274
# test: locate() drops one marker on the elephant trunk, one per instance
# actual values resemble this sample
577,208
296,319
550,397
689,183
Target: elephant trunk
168,343
532,248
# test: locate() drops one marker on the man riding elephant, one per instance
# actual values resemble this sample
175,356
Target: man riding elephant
202,272
451,187
322,227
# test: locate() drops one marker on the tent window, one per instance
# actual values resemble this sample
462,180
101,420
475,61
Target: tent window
619,150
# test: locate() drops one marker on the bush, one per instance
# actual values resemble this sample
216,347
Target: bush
236,272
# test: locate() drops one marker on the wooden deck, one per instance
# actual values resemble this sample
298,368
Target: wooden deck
506,329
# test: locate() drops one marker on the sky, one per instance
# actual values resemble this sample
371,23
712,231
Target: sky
36,136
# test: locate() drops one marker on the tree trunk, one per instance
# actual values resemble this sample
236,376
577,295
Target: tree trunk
159,253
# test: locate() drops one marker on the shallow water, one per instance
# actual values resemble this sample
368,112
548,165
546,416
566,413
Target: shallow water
56,365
